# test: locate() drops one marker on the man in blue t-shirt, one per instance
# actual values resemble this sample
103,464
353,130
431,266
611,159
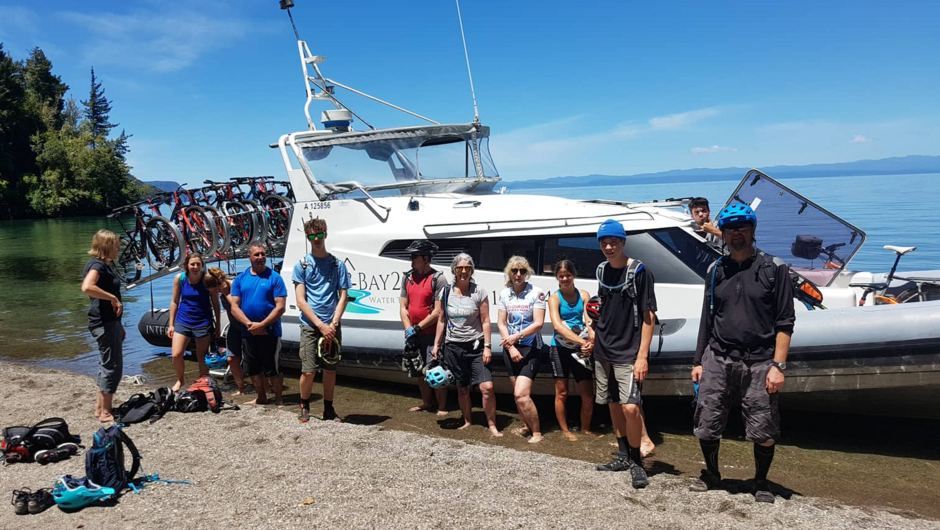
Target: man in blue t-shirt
258,299
320,284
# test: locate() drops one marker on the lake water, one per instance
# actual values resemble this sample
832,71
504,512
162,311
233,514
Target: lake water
43,311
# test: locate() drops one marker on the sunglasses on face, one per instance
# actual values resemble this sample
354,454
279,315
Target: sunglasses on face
736,228
518,271
463,268
318,235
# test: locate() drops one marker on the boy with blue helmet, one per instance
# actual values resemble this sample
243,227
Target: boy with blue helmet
744,337
624,331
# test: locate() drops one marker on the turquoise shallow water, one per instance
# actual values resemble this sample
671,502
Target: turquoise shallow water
43,312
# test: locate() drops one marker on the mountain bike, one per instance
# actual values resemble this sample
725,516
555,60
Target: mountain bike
241,222
152,238
276,208
923,289
197,226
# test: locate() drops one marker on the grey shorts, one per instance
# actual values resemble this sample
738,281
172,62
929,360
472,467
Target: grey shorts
466,363
615,384
192,332
109,337
723,378
309,360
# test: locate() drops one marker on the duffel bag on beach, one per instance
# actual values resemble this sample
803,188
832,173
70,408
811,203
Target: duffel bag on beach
104,462
22,443
136,409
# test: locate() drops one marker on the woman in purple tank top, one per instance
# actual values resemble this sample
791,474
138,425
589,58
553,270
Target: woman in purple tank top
191,316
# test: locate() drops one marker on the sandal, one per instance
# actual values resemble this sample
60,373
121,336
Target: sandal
40,501
20,501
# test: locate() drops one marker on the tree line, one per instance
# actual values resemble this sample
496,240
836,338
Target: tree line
58,156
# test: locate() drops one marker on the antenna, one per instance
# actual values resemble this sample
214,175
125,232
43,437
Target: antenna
476,112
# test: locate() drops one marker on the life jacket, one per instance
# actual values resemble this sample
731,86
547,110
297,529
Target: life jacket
627,287
104,462
420,297
204,394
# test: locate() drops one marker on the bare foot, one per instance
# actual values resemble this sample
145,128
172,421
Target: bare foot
177,386
494,432
257,401
278,402
536,438
521,431
106,417
464,426
442,413
237,393
646,447
570,436
592,433
421,408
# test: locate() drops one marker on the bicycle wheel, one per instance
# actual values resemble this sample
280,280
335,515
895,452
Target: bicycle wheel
129,262
203,236
279,211
167,246
927,292
260,221
221,229
241,225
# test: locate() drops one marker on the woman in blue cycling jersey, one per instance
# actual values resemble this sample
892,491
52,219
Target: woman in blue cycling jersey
521,308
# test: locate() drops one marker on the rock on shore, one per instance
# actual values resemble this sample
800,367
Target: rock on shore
259,468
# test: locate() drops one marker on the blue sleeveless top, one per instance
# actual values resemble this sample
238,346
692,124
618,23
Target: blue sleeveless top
572,315
195,309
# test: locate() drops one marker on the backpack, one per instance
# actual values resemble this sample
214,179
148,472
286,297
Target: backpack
141,407
304,265
22,443
766,267
628,287
204,394
104,462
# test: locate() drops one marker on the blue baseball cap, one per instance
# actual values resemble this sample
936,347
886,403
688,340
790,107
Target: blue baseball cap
611,228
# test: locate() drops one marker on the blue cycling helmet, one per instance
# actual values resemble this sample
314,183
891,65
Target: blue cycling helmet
72,493
611,228
439,377
736,213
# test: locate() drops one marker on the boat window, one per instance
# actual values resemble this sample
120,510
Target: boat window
445,158
673,255
489,167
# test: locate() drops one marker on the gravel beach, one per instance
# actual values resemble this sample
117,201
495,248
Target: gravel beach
259,468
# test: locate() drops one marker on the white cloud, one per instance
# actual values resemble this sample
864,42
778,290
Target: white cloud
713,149
19,17
682,119
161,38
859,139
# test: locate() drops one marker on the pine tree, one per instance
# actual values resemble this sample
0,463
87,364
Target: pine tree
46,91
97,109
16,155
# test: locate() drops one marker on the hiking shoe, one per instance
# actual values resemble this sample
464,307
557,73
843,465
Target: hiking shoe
304,415
20,501
330,415
619,463
762,492
39,501
638,477
706,481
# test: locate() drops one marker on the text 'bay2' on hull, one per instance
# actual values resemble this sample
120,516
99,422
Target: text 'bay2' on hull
379,189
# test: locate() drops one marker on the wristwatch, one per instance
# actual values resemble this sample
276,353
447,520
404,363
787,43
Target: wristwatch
781,366
487,345
417,327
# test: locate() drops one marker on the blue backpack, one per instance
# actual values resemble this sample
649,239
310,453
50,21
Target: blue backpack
104,462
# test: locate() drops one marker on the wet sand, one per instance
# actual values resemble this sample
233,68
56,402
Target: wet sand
864,461
258,467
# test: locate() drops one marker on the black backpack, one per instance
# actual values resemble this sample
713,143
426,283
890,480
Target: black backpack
21,443
140,407
104,462
628,287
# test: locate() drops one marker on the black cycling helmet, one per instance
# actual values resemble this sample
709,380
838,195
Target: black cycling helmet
423,247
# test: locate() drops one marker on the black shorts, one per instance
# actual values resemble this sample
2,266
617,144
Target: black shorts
564,365
233,338
260,355
425,343
528,366
466,363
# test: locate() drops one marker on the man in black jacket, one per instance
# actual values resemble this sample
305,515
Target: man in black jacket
744,338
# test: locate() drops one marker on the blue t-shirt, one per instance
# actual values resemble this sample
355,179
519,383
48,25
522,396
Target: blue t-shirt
257,293
195,307
571,315
323,279
520,311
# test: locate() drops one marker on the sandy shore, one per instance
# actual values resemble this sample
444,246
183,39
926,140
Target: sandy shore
258,467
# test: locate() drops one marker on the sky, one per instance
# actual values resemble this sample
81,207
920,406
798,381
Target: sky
592,87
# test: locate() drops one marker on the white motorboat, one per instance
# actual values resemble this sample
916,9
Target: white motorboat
379,189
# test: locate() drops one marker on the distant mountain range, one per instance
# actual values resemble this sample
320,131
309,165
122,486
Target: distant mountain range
164,185
886,166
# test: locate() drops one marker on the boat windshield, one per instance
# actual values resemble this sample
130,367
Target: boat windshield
403,155
811,240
